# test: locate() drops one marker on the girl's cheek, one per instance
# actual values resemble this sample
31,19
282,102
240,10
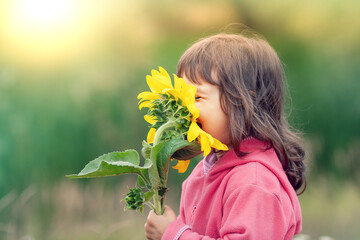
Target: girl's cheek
198,105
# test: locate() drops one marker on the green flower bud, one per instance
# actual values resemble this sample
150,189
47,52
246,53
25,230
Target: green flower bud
134,199
146,150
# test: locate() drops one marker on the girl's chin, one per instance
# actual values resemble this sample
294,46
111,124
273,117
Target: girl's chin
223,139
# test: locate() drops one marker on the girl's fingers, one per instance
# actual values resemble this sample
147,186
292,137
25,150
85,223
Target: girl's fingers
156,224
169,213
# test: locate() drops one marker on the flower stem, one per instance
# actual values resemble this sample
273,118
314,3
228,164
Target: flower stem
159,132
150,205
162,202
157,204
144,179
159,200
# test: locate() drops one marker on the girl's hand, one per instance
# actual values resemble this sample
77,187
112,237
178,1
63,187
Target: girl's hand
155,225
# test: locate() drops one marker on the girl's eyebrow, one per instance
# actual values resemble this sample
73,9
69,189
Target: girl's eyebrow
199,90
202,89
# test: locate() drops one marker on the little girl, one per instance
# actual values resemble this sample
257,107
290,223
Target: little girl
248,192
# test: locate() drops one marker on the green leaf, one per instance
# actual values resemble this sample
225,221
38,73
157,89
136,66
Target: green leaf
175,148
141,182
148,196
188,151
114,163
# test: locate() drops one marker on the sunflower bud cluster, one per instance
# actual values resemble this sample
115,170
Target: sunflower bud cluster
135,199
171,113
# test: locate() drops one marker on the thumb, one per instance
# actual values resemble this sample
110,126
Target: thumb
168,212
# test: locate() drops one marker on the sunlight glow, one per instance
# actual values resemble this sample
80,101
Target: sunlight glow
44,13
46,32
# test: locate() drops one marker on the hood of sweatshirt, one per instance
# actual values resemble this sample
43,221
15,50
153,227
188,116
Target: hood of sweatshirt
259,152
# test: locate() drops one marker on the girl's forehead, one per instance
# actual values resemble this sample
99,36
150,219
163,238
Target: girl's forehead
202,86
194,74
192,81
199,79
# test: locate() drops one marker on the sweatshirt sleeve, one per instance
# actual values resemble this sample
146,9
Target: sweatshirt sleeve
249,213
175,229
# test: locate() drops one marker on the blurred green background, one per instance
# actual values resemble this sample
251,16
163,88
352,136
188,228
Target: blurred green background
70,71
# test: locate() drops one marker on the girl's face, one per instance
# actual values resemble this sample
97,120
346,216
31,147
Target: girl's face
212,118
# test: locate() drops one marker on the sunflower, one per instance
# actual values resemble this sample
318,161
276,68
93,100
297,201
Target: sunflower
173,108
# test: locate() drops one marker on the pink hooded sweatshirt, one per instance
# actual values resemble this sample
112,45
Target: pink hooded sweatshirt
238,198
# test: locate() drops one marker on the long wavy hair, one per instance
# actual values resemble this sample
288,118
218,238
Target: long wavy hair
250,77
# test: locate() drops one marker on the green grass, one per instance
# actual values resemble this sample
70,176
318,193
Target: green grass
72,210
331,209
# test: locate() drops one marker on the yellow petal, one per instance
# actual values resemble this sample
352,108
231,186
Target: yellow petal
211,139
189,94
205,143
182,165
150,119
175,93
158,83
178,83
193,132
151,135
219,145
195,112
164,72
148,96
166,90
147,104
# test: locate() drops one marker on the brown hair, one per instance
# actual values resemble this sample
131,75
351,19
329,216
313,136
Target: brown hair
250,77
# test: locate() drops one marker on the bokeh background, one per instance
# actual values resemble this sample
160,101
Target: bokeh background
70,71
